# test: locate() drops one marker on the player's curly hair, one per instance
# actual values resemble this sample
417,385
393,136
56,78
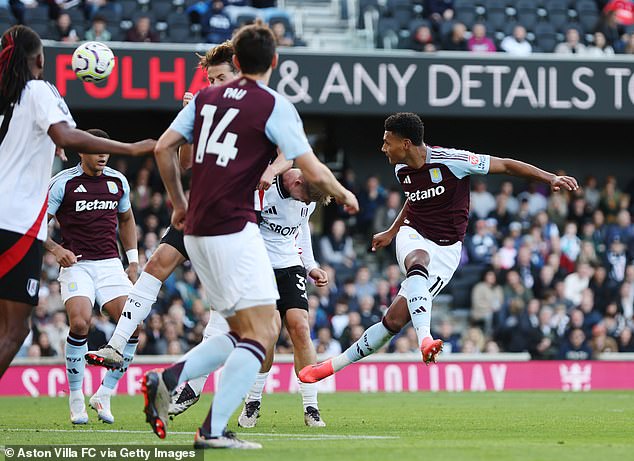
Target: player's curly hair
19,44
221,54
406,125
254,46
316,195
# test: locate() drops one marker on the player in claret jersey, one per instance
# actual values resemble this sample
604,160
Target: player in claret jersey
429,231
236,129
89,202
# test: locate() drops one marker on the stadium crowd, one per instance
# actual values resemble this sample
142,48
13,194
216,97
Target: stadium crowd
551,274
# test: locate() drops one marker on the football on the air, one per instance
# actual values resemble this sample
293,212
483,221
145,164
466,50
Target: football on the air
93,61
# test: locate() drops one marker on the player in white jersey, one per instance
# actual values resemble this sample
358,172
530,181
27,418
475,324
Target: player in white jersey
285,210
429,232
33,120
90,202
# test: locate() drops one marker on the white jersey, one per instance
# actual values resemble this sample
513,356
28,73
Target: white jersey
284,228
26,156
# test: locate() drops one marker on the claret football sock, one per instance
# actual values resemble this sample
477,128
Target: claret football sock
137,307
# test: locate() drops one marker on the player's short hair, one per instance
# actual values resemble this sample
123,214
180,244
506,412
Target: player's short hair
99,133
406,125
316,195
221,54
254,46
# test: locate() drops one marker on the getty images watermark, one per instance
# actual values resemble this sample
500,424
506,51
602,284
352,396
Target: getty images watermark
103,452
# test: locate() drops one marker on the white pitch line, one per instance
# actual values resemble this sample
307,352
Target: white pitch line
245,434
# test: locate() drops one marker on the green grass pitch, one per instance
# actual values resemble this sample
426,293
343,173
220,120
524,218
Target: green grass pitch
555,426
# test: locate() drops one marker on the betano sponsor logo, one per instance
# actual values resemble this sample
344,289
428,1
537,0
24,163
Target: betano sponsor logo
91,205
425,193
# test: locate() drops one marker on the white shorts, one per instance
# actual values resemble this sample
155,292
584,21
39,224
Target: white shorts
443,260
234,269
100,281
216,326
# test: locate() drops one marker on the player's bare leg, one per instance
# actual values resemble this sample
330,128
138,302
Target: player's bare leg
251,410
100,401
138,305
419,303
242,352
14,328
79,310
372,340
296,321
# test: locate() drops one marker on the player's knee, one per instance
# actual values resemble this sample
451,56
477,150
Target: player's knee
417,257
79,326
154,267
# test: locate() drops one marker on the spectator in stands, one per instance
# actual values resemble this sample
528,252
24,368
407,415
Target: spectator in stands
482,201
456,40
363,284
283,37
570,246
487,297
387,212
599,47
482,245
547,345
142,31
616,263
57,332
611,30
610,202
625,301
536,199
92,7
622,229
512,203
628,43
450,338
626,340
64,30
516,44
98,30
423,39
46,350
472,341
216,24
371,198
601,342
575,347
572,43
527,270
439,11
479,42
337,250
506,255
575,283
325,344
501,214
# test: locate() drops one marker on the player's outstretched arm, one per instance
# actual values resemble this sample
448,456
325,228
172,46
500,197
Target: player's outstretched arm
166,159
526,170
64,136
279,166
186,151
127,233
318,174
383,239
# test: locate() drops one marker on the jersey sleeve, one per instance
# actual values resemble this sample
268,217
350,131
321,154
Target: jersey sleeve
305,246
461,162
48,106
184,121
124,202
55,195
285,129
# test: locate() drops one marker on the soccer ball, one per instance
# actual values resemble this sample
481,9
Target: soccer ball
92,61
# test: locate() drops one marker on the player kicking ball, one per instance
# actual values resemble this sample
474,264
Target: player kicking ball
429,232
89,201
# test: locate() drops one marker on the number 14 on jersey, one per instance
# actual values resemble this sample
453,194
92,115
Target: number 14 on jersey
208,144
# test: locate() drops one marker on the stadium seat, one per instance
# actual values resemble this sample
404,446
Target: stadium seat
388,29
527,13
557,13
466,15
178,33
42,29
5,15
36,15
161,9
364,6
177,19
76,15
284,19
403,15
5,23
245,18
110,15
128,8
464,4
